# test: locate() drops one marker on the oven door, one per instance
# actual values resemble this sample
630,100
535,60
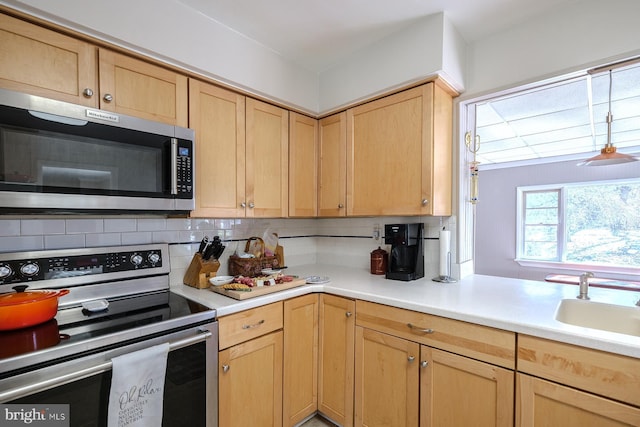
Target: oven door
190,390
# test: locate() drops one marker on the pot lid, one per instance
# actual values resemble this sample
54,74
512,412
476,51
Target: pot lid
25,297
379,251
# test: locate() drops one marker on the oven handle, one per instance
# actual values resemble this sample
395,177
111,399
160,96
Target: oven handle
17,392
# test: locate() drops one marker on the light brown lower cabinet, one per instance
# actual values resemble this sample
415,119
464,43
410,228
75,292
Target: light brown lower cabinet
459,391
300,393
250,383
386,380
544,403
336,355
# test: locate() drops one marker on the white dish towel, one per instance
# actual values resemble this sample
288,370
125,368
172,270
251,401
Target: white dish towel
137,388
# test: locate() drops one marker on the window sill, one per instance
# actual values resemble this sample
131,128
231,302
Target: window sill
611,273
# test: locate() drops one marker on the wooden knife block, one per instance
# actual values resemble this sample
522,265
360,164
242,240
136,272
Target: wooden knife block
200,271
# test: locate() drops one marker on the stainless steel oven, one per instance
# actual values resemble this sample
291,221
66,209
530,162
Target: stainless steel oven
60,156
68,360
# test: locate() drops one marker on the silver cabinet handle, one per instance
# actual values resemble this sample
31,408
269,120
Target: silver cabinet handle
424,364
251,205
225,368
425,202
88,92
340,206
419,329
255,325
107,97
348,314
243,205
411,358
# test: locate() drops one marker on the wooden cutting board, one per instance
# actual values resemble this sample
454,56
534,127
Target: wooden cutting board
258,290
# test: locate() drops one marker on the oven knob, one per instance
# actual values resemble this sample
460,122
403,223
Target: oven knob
5,271
153,258
136,259
29,269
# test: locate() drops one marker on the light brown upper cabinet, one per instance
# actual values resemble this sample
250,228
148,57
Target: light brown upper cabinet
332,166
303,176
399,154
137,88
42,62
267,167
217,116
241,154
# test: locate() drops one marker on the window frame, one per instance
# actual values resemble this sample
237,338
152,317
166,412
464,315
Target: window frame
561,263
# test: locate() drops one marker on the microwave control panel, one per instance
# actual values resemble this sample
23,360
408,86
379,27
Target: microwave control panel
184,169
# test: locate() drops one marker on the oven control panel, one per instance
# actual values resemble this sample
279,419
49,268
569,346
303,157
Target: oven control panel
62,265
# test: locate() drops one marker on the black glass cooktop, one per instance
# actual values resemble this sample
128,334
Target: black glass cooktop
77,331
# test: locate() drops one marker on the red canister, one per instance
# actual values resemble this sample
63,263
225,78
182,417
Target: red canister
379,259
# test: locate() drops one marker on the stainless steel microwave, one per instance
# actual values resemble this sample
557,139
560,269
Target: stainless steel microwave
56,156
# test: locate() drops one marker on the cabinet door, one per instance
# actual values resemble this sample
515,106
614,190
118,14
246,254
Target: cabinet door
386,380
543,403
217,116
267,170
250,383
399,154
303,176
336,349
300,358
137,88
332,170
458,391
45,63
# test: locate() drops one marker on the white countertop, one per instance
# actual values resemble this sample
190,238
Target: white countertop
522,306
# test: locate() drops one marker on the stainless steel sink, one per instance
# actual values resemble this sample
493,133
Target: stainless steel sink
597,315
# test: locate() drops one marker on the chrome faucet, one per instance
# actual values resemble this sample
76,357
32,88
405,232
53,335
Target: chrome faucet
584,285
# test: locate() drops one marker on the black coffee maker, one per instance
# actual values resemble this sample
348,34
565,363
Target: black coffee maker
406,260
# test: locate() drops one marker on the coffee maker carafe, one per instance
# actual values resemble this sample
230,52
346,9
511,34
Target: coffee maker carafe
406,259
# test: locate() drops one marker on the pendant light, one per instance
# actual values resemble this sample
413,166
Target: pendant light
608,154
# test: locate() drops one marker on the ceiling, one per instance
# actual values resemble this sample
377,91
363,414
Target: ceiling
560,120
319,33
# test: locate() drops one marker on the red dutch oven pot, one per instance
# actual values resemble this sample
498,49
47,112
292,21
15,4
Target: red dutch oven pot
24,308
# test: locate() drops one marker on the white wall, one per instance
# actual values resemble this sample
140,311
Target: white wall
409,55
576,36
495,245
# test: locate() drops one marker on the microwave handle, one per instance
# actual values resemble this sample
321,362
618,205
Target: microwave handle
174,166
15,393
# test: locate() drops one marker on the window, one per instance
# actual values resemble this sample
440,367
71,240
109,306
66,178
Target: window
583,224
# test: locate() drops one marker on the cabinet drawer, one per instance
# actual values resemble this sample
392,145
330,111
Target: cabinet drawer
248,324
479,342
599,372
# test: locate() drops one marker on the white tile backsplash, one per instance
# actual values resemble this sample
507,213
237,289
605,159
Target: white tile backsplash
84,226
32,227
21,243
64,241
341,241
103,239
112,225
137,238
9,227
152,224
